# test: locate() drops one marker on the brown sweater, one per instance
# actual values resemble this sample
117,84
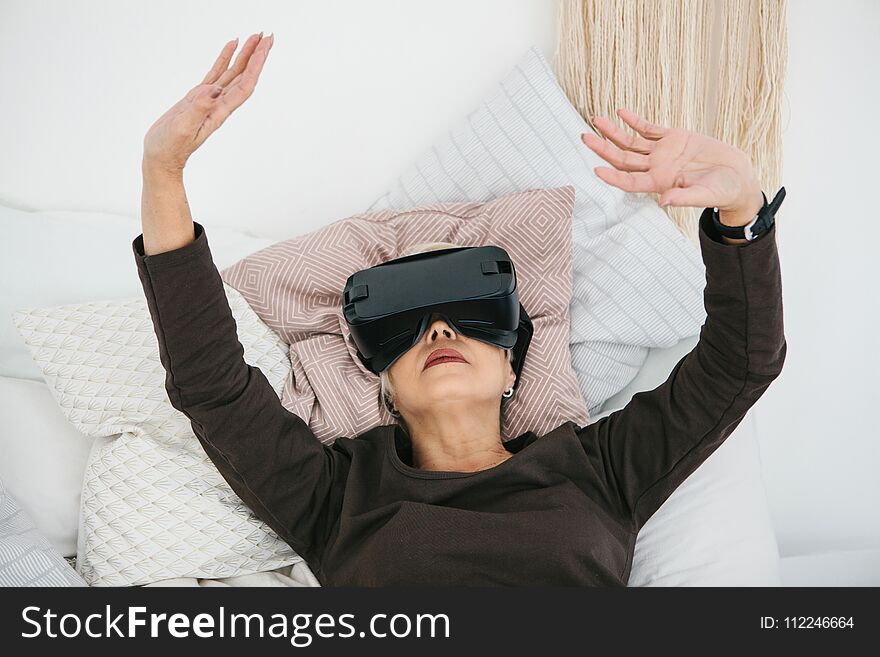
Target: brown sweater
564,510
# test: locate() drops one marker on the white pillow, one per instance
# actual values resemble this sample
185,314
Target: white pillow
50,258
154,507
27,558
44,459
715,529
637,280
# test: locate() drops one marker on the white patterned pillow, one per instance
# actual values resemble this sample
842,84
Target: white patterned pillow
154,506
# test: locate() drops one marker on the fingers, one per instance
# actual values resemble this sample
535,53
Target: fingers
640,125
620,138
219,74
255,62
626,180
624,160
242,60
222,62
241,88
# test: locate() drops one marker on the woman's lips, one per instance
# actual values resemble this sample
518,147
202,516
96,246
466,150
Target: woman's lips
444,359
440,356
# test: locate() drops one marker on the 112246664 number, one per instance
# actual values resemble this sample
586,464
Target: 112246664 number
807,622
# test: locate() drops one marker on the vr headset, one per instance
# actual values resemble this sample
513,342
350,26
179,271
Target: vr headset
387,307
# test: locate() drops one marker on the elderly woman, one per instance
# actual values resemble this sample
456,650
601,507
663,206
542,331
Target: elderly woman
439,498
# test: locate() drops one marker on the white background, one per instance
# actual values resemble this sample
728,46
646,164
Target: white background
354,90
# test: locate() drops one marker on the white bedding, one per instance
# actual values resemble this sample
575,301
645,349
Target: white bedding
298,574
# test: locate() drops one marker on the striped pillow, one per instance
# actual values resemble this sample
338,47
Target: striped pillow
637,280
27,558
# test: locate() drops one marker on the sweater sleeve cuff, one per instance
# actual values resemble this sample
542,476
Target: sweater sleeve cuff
157,261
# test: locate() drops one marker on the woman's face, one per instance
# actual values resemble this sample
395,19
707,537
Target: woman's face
481,378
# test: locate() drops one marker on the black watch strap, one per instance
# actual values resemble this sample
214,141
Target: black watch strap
758,226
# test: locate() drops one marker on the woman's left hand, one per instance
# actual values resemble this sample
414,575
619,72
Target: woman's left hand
685,168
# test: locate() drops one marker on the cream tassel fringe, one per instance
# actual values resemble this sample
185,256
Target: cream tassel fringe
715,67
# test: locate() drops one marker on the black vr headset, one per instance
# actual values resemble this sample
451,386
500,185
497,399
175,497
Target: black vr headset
387,307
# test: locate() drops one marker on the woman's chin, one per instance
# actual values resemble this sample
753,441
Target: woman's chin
451,390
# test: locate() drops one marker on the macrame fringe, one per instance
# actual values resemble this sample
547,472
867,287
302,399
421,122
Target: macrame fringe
715,67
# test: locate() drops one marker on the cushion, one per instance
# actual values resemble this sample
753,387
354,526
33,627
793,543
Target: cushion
721,508
637,280
296,285
55,257
27,558
154,506
44,459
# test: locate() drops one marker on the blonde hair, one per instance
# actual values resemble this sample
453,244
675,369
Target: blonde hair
386,389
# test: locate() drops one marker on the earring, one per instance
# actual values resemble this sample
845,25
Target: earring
508,393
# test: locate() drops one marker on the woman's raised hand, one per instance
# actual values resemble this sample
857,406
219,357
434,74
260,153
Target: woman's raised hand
182,129
685,168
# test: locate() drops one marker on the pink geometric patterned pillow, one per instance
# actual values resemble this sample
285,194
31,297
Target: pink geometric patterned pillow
295,286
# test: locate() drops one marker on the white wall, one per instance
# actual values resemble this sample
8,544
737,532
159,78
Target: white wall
819,436
351,93
354,90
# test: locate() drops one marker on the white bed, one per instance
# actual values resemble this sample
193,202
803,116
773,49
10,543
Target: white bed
331,126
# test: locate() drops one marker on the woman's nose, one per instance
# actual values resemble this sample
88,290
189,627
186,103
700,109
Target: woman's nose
438,327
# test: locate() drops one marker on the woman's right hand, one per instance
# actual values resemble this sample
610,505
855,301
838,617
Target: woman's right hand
182,129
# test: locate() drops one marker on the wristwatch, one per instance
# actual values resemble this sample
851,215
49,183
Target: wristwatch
759,225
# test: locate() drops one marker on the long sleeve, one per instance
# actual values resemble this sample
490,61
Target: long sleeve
644,451
269,456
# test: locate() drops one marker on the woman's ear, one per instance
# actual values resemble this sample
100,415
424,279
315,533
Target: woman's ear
511,378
